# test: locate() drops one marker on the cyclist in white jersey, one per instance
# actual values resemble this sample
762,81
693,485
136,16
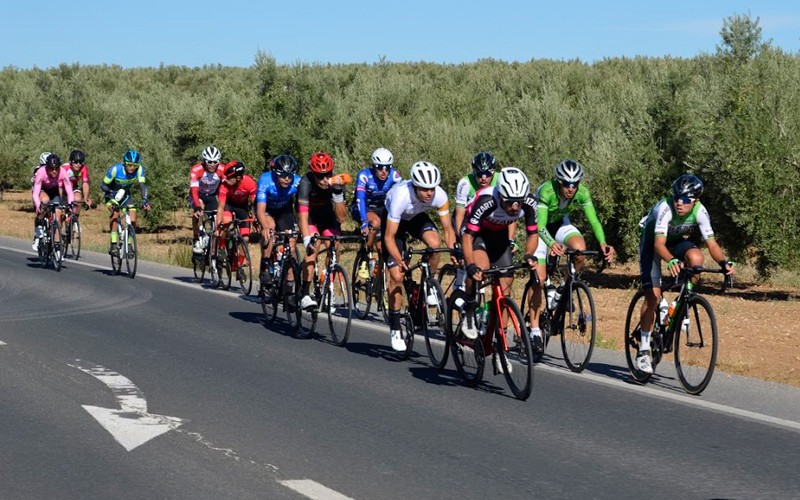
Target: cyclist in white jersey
665,236
407,204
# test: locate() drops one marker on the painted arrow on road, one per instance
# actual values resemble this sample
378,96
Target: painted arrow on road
131,425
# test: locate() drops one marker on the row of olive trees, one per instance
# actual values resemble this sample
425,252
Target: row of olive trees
731,117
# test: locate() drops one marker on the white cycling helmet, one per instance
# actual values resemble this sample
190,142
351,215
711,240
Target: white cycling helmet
569,171
211,153
382,157
43,157
513,184
425,175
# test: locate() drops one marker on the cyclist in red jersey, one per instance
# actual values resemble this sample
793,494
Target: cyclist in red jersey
78,174
236,194
205,179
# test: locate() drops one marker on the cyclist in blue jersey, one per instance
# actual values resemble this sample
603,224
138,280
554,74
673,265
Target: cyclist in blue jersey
277,189
368,207
117,185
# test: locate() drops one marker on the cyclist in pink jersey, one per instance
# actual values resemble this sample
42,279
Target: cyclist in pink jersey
48,185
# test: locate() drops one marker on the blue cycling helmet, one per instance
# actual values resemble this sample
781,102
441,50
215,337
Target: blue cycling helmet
132,156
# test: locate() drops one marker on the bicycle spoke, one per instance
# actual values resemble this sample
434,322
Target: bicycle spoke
437,340
579,328
696,345
516,359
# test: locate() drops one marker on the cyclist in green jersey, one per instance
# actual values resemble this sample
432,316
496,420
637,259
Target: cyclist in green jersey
483,174
665,236
557,198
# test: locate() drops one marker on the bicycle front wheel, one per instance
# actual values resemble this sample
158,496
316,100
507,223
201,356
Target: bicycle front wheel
57,239
338,301
74,238
578,327
514,350
362,286
696,345
437,338
244,268
633,330
308,316
291,293
447,279
116,258
468,354
131,252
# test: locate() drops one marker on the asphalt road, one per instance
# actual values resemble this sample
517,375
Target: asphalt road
249,412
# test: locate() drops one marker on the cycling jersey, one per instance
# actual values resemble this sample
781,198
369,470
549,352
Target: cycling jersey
486,213
238,196
204,183
402,202
276,197
76,180
50,185
371,191
316,202
117,178
468,186
663,220
553,211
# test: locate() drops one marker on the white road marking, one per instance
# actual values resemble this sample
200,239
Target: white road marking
313,489
131,425
2,343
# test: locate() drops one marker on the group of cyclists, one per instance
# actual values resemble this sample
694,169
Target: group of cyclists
481,233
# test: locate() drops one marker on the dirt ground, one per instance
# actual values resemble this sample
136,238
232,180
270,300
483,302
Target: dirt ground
758,336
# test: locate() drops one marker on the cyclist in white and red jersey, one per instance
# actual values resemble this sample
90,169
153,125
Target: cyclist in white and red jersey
204,182
407,206
48,185
665,236
78,174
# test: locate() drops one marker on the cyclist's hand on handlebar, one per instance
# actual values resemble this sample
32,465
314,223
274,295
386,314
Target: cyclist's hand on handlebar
474,272
558,249
146,206
728,267
456,256
674,267
198,211
608,253
365,228
531,261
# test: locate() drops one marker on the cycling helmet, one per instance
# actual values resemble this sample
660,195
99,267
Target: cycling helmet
321,163
483,163
52,161
234,169
284,165
211,153
425,175
77,155
687,185
382,157
43,157
569,171
513,184
132,156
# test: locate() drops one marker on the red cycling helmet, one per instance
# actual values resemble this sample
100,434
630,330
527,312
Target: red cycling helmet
234,169
321,163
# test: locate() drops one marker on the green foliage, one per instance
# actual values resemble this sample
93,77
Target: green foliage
732,117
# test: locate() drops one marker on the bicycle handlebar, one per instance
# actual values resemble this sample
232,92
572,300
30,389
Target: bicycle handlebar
686,273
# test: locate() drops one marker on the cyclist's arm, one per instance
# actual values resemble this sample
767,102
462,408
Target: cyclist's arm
460,212
531,225
37,190
361,196
447,226
66,185
261,214
594,221
660,247
541,221
337,190
222,199
142,183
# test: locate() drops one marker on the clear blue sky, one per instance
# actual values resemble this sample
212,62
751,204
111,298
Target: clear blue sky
46,33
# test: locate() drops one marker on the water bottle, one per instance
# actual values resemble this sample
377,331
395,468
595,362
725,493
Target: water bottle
204,240
482,313
663,308
551,297
459,303
461,275
671,310
372,263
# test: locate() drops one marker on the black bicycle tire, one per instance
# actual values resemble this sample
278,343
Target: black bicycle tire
76,234
706,379
57,250
521,391
132,245
116,260
340,339
578,365
361,286
545,317
291,298
463,349
225,270
437,354
632,339
407,328
246,284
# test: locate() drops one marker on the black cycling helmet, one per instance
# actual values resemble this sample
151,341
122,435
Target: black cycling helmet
77,155
483,163
688,186
284,165
52,161
234,168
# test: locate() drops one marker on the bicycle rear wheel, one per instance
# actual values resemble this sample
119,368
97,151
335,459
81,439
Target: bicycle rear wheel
381,283
696,345
468,354
74,238
407,328
131,252
578,327
57,240
244,267
516,358
337,299
437,338
224,266
633,330
362,287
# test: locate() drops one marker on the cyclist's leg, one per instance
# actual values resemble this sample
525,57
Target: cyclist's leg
308,269
77,196
374,221
424,229
535,301
267,233
570,236
394,284
688,253
650,275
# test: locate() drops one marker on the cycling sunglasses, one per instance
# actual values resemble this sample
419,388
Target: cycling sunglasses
381,167
569,184
213,162
686,200
324,176
131,164
484,175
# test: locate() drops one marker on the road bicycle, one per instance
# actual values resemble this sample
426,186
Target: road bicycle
233,257
368,287
691,330
330,289
72,233
125,245
569,310
206,260
280,291
50,242
420,315
503,336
